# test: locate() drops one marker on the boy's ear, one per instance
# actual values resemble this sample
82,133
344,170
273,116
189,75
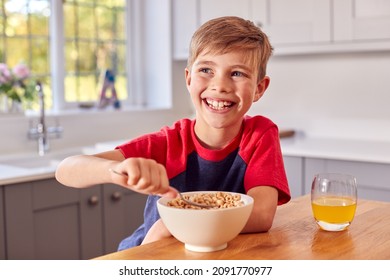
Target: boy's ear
261,88
187,75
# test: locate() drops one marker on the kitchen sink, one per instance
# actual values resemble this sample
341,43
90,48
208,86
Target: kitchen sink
34,161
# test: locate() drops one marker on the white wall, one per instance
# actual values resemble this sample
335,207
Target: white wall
331,95
335,95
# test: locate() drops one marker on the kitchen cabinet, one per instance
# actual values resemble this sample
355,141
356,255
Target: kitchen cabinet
123,213
45,220
286,22
372,178
293,22
294,172
185,22
188,15
218,8
361,20
2,228
296,26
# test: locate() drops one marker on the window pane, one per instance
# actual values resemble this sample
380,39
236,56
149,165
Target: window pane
87,88
39,51
81,88
94,43
85,22
16,25
121,56
24,37
17,50
120,86
70,26
70,85
87,52
16,13
121,25
105,23
71,57
106,56
2,49
39,18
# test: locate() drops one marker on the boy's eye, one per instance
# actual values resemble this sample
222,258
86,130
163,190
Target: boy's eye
205,70
238,74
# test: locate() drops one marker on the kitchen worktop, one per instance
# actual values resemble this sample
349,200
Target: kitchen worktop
294,235
337,149
21,168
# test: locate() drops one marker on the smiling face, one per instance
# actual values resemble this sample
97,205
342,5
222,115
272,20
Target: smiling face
223,88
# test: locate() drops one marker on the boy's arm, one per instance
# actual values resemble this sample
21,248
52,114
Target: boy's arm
157,232
143,175
264,208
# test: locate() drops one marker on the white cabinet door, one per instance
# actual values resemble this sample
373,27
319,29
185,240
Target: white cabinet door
294,26
356,20
188,15
372,178
294,21
294,171
217,8
185,21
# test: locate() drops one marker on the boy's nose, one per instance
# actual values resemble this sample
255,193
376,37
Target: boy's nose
221,83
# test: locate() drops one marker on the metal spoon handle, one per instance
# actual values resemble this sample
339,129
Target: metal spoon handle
180,194
194,203
117,173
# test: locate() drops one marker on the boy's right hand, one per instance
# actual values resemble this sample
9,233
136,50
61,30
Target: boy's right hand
143,175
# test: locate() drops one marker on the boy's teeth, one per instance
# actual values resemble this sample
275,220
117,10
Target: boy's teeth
219,105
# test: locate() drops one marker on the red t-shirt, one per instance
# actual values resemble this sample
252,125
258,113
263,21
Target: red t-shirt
252,159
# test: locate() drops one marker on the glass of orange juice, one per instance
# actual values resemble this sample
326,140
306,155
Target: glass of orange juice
333,200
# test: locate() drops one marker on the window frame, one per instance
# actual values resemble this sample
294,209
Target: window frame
57,57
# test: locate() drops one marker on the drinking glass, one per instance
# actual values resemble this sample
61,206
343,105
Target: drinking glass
333,200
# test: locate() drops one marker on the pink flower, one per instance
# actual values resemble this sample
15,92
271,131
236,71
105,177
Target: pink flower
21,71
5,74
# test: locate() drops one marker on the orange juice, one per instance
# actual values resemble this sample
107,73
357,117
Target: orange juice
334,210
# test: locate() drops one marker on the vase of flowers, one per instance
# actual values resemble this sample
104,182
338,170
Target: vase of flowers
17,89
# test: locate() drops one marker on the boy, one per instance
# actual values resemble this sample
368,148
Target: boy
221,150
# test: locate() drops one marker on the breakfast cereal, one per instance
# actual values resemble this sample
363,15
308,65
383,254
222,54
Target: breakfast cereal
216,200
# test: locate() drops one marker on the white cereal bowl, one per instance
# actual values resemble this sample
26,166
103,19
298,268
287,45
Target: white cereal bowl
205,230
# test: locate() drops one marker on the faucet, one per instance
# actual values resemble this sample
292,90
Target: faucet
41,132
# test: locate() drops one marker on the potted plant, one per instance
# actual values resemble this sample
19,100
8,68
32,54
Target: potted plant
17,89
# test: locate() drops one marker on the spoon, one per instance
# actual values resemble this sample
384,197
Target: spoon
180,194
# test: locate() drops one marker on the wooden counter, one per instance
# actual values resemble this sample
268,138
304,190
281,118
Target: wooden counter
294,235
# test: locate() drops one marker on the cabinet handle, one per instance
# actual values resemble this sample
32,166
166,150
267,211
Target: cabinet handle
93,200
116,196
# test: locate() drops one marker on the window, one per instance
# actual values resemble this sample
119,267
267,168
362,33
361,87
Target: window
24,36
95,41
69,44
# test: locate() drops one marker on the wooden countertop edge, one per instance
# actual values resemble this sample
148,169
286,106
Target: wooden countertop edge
368,213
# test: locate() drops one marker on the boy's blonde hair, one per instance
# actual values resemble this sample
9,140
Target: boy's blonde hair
228,34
